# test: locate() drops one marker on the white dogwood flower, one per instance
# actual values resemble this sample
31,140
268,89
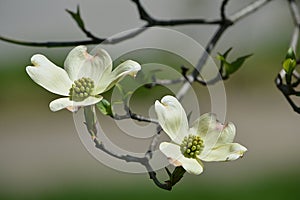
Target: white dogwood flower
83,78
206,140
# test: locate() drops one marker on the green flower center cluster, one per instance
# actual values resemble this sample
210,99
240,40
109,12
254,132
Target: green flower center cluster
81,89
191,146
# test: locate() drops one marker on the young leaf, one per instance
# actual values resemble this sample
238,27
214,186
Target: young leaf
235,65
76,16
104,107
289,65
227,52
222,57
228,68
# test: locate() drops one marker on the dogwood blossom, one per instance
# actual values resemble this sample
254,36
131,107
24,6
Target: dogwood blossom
206,140
83,78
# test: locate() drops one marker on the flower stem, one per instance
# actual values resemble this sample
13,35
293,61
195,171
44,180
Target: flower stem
90,120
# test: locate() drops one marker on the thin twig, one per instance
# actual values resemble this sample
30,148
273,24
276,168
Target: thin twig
232,19
295,12
248,10
287,89
96,40
93,129
151,21
50,44
127,158
77,18
134,116
209,47
296,17
223,6
153,143
142,160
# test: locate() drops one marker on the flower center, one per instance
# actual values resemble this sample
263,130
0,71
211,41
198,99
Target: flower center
191,146
81,89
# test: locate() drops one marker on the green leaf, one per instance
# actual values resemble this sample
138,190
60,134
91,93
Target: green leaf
235,65
177,175
222,57
76,16
289,65
227,52
228,68
104,107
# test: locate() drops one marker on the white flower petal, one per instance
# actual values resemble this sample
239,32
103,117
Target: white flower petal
191,165
225,152
221,134
227,134
109,79
173,153
210,141
203,124
170,150
104,60
62,103
212,132
49,76
172,118
75,60
94,66
91,69
79,63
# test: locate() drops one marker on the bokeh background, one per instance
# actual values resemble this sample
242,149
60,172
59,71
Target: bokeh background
42,156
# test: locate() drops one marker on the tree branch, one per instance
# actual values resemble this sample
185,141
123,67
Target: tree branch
226,23
96,40
131,115
287,91
90,115
296,17
142,160
76,16
91,122
288,88
50,44
223,6
145,16
248,10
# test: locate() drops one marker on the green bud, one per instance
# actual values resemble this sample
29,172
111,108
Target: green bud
290,54
289,65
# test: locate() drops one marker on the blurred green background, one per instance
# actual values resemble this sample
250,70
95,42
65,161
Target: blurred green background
40,151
